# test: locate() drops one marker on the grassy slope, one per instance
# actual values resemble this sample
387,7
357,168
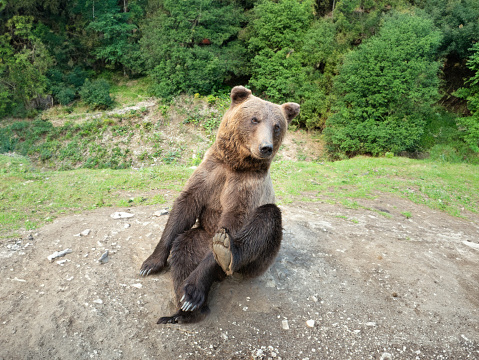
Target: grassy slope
30,198
445,186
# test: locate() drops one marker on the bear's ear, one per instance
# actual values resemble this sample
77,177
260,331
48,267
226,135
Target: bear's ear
290,110
239,94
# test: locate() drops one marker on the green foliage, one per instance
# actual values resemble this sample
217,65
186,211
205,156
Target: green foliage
458,22
24,61
470,124
276,34
191,46
386,88
117,42
96,93
66,95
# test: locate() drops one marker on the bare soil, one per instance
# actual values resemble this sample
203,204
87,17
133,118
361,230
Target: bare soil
347,284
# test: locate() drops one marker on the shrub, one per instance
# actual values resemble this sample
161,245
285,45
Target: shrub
198,58
96,93
65,96
470,124
385,89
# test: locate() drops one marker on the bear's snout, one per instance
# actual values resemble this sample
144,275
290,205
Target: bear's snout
265,149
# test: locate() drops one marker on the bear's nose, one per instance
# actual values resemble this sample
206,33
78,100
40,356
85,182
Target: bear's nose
266,149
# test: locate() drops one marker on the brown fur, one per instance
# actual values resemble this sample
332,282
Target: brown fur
230,190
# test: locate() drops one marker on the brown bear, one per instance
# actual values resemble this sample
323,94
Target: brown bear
225,220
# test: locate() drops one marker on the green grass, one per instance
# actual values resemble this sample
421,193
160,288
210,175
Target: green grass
445,186
29,198
129,93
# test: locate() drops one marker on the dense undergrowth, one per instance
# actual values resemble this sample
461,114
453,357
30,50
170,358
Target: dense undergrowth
368,73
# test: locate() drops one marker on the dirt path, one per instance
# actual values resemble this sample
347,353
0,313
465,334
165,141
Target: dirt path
376,287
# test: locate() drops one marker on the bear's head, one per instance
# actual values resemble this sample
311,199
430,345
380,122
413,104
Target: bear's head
252,130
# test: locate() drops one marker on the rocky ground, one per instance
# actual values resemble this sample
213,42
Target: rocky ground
347,284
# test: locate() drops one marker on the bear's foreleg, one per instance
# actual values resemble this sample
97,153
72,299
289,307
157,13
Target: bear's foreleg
182,218
194,270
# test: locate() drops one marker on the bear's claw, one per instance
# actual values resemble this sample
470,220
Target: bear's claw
222,251
192,299
151,265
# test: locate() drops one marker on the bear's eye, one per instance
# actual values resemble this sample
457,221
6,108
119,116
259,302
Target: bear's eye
277,128
254,120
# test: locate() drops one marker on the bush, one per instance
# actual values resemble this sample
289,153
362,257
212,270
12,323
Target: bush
65,96
470,124
276,33
385,90
96,93
182,58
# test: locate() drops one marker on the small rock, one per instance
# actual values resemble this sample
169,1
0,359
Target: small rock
126,226
161,212
370,324
471,244
285,324
121,215
61,262
386,356
98,301
104,258
85,232
310,323
58,254
258,354
30,237
138,286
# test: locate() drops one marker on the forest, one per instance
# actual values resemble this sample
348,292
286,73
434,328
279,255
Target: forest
375,77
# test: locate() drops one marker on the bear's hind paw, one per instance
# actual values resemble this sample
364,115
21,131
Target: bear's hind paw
222,251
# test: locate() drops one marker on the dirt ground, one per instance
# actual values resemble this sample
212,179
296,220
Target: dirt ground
347,284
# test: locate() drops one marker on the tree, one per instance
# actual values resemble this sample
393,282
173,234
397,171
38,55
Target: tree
113,23
275,38
470,124
386,88
192,46
24,61
458,21
321,55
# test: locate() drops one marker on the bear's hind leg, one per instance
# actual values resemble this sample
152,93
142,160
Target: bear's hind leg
252,250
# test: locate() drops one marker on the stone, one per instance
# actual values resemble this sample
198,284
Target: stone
58,254
104,258
121,215
85,232
161,212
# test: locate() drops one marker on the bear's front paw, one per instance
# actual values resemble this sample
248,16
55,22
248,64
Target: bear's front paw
222,251
193,297
152,265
